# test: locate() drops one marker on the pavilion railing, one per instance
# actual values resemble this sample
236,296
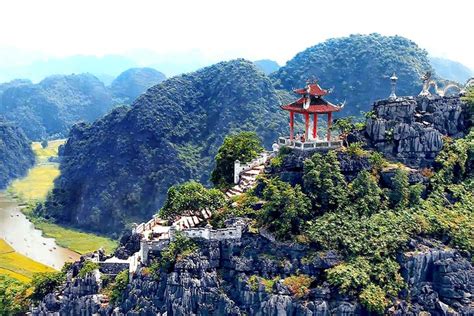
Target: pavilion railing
311,144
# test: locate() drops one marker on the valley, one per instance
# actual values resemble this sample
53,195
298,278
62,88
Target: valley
33,244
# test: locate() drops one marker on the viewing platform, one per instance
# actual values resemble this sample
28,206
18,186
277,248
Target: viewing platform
311,144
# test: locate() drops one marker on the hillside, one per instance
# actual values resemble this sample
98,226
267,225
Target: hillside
133,82
49,108
15,153
451,70
357,67
169,135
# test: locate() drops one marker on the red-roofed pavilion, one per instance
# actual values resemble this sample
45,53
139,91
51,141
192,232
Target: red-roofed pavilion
311,102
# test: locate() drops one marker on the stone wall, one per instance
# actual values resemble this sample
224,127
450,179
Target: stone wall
113,268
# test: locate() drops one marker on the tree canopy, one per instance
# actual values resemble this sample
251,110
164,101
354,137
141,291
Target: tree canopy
189,199
243,146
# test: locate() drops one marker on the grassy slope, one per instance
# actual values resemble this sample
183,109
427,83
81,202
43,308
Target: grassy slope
34,188
17,265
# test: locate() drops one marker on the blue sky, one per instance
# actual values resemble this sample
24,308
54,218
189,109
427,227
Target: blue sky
216,30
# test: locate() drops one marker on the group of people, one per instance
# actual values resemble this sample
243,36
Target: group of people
300,137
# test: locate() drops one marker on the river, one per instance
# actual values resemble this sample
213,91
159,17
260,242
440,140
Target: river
19,232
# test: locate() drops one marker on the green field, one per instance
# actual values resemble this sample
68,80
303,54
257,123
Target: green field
17,265
74,239
35,187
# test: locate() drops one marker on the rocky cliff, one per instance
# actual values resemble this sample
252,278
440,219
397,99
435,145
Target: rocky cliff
248,277
411,130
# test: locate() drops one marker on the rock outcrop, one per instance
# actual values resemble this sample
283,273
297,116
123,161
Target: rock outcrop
411,130
245,277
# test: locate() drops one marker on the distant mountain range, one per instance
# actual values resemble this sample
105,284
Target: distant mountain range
48,109
451,70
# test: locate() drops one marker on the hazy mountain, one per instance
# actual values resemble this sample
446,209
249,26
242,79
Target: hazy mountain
452,70
16,155
49,108
267,66
357,68
133,82
109,65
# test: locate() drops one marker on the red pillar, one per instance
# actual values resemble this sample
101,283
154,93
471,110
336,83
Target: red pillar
329,125
292,119
315,125
306,126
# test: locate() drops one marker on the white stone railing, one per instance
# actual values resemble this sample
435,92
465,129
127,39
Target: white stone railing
139,229
309,144
239,167
211,234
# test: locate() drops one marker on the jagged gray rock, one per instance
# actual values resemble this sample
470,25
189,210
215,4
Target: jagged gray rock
411,130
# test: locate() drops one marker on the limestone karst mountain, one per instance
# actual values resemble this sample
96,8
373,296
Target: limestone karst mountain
357,68
169,135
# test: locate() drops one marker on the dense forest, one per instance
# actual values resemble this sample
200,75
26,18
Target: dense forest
171,134
357,68
16,154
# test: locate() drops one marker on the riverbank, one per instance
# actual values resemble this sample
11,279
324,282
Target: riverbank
34,188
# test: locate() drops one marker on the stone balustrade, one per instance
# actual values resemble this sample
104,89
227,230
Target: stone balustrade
310,144
239,167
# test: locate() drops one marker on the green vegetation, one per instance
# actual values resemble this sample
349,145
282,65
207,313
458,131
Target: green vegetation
176,250
324,182
367,223
72,238
12,294
119,285
244,147
45,283
16,155
107,182
298,285
87,268
286,210
189,199
356,67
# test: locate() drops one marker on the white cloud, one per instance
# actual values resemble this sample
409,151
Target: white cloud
226,29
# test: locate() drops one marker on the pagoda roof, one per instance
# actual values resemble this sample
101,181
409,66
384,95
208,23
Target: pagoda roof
317,105
312,89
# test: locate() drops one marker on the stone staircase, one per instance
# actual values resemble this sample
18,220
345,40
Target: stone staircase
248,179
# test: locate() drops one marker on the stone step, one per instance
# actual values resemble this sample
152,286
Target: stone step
248,178
237,188
252,172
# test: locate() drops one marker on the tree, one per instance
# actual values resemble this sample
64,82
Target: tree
344,126
13,295
189,199
323,181
366,194
400,193
244,147
45,283
286,210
